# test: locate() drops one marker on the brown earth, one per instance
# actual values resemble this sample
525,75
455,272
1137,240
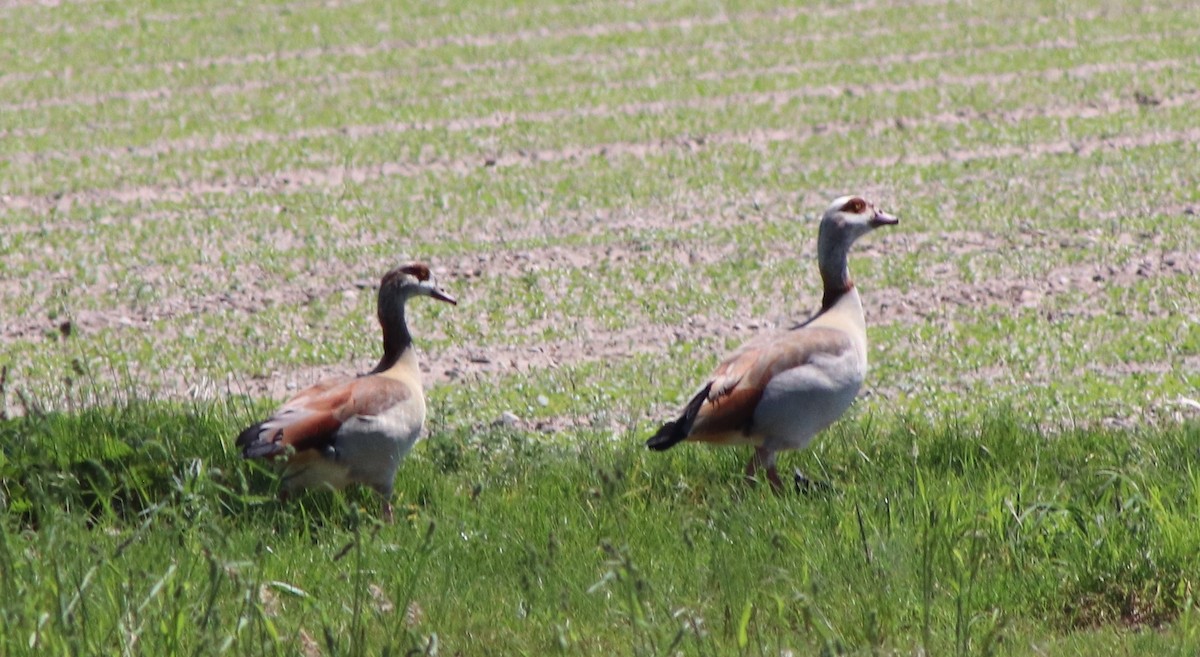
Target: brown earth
943,296
589,59
236,289
592,31
285,182
537,14
497,120
331,83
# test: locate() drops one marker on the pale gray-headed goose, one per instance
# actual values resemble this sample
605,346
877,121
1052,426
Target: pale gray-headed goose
355,430
779,390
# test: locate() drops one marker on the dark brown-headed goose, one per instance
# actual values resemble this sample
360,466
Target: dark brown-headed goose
778,391
355,430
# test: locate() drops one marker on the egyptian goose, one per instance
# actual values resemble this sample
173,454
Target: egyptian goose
355,430
778,391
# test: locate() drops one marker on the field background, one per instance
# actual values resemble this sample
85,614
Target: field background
196,202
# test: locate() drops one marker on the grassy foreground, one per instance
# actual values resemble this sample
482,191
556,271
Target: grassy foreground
151,537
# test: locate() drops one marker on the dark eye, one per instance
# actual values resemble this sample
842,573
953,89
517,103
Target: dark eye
855,206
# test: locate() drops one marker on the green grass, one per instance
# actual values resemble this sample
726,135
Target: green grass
204,195
981,537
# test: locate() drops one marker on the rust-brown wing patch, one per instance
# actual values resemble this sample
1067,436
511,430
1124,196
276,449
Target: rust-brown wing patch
372,395
738,383
310,420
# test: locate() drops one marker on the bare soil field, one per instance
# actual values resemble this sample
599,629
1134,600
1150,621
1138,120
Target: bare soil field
1031,162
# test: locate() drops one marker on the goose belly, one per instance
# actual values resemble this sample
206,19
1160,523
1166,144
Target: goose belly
799,403
312,469
373,447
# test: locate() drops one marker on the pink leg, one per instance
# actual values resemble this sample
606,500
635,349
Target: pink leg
752,468
764,459
385,495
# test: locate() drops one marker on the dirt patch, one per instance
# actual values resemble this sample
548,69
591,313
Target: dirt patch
300,179
240,289
333,83
1081,147
946,299
150,17
588,31
1010,295
594,31
1133,610
538,14
943,297
777,98
520,343
16,4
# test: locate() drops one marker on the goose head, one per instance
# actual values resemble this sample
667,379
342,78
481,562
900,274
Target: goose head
404,282
847,219
851,217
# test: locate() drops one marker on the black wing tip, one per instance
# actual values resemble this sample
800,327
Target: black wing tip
665,438
676,431
252,444
249,435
